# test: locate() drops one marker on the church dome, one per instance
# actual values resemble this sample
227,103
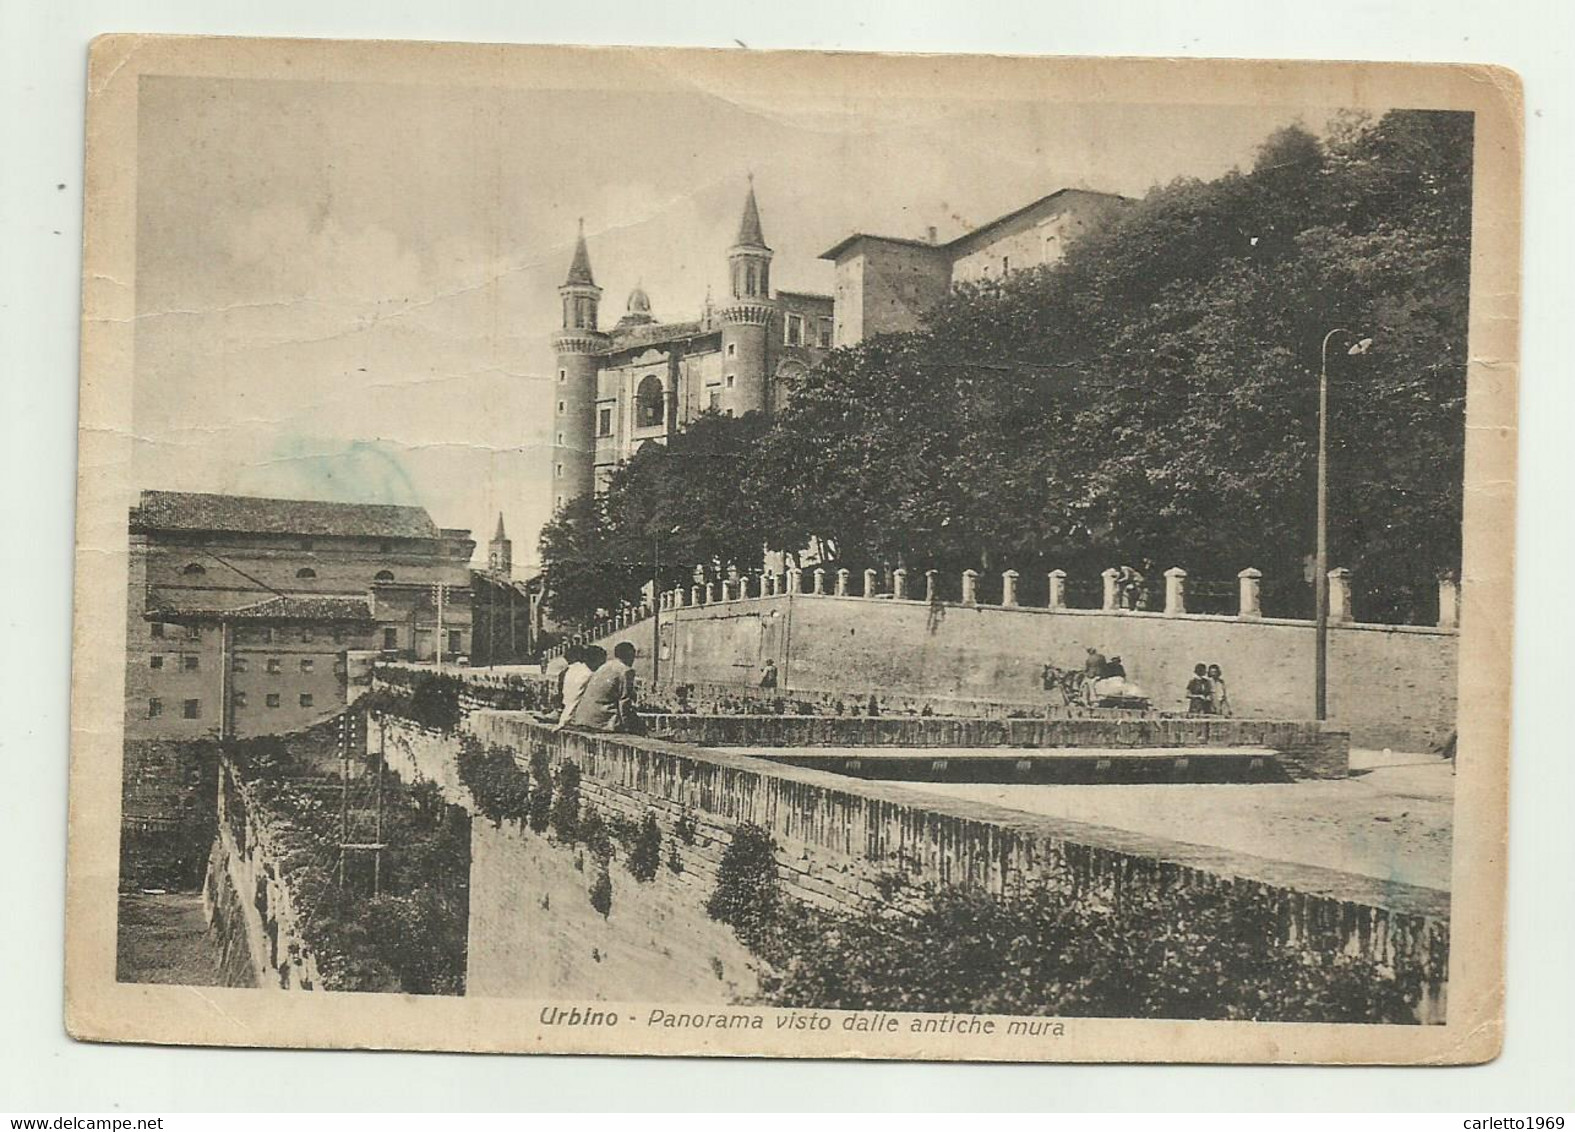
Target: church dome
638,312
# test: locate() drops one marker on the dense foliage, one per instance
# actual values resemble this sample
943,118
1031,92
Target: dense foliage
1051,950
409,934
1151,400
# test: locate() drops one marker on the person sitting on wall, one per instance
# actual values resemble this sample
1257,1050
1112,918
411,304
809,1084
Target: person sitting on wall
768,674
1200,693
607,703
572,681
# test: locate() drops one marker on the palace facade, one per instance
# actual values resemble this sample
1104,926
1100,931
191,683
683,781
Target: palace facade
642,380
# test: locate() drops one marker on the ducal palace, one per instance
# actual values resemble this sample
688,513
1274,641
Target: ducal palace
642,380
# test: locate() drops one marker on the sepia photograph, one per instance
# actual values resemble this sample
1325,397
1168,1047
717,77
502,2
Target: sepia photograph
668,551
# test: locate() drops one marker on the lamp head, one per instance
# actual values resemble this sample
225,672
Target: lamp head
1360,346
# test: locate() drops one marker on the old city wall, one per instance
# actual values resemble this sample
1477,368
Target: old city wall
1391,686
842,843
250,908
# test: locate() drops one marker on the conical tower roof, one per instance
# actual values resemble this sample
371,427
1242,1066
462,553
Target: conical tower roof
500,536
580,267
749,233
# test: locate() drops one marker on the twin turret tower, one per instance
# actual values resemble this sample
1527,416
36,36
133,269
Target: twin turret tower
638,383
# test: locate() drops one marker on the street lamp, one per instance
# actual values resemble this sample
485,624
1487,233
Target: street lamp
656,604
1321,568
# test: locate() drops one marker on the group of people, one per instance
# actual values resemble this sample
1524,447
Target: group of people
597,691
1206,691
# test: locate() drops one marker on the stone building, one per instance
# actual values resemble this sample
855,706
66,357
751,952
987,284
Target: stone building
886,283
243,613
644,379
639,382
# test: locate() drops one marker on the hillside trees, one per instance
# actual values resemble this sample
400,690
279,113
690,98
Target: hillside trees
1152,399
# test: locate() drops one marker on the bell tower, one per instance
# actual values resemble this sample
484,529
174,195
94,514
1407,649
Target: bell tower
747,315
577,346
500,552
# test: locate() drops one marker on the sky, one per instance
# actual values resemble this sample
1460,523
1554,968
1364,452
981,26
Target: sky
346,290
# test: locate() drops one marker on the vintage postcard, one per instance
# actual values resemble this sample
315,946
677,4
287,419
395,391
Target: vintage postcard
792,554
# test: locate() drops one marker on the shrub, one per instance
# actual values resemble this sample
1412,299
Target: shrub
684,828
435,702
646,855
747,889
566,803
593,831
601,892
539,805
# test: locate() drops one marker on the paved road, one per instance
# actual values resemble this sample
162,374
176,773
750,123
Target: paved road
1392,819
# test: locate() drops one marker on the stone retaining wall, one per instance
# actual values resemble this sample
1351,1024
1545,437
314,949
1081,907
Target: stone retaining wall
845,843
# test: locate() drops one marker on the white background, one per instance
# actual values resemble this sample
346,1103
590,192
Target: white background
42,75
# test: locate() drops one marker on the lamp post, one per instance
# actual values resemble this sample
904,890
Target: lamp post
656,605
1321,566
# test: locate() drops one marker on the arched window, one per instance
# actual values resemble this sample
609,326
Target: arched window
650,402
383,576
193,570
306,572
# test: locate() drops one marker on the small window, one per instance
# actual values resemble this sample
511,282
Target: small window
238,664
306,636
273,699
268,635
795,330
562,406
825,333
453,642
274,667
238,699
189,663
194,632
390,638
306,573
155,708
559,470
560,440
732,349
306,699
193,570
730,379
383,576
155,662
191,709
715,400
563,375
308,664
604,422
156,630
1006,265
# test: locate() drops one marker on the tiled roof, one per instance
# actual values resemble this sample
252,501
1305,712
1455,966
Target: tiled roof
284,608
199,511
